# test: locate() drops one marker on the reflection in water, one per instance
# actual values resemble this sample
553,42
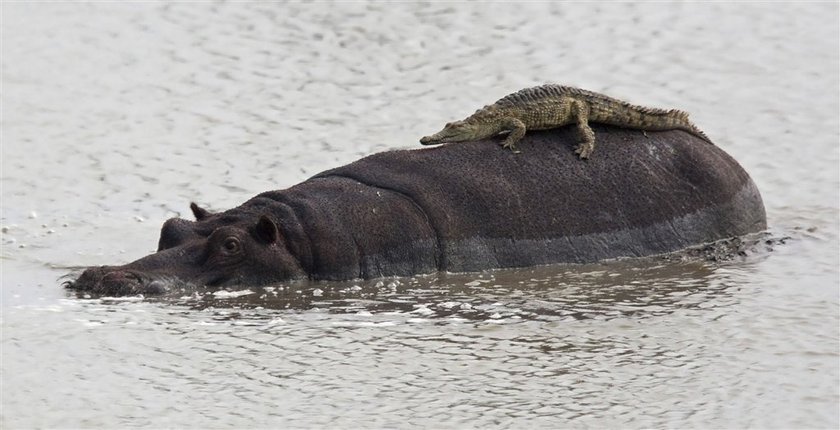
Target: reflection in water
540,293
608,290
535,343
115,116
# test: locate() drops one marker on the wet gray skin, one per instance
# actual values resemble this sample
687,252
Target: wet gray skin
230,255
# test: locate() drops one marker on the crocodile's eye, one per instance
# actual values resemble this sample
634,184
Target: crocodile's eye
231,245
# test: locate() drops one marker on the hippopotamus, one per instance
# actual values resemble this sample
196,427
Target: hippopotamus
459,207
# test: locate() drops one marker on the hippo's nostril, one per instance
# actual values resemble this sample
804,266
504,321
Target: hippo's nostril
119,282
122,277
134,276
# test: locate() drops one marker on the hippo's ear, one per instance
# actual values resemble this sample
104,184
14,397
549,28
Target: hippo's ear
200,213
267,231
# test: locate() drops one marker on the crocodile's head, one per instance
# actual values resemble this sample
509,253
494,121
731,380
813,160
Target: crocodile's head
458,131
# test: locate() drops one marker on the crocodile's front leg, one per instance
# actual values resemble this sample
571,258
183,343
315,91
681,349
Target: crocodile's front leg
580,115
517,130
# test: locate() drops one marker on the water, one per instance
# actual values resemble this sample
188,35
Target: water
116,116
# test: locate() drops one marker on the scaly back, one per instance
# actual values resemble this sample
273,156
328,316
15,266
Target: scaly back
543,92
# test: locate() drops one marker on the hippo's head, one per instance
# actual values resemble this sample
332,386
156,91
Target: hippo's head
458,131
211,253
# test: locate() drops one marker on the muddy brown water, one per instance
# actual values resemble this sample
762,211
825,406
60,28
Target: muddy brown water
116,116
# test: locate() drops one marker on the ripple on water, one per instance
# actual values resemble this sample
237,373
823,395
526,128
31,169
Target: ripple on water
117,116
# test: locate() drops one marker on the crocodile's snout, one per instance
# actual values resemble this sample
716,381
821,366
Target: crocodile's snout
434,139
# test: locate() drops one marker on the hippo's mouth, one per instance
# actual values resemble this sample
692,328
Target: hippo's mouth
112,281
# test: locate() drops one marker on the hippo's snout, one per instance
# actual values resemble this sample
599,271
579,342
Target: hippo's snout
106,280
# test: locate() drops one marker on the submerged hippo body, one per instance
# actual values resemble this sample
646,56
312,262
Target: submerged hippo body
460,207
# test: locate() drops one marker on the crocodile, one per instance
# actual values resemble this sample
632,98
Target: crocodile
552,106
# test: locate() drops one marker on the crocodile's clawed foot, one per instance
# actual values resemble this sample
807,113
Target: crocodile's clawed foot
584,150
511,146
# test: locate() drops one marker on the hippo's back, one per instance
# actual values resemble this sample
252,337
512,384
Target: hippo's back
636,196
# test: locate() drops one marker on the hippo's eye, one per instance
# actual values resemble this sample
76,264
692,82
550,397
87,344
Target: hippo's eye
231,245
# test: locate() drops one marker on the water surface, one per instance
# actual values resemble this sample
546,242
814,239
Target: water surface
116,116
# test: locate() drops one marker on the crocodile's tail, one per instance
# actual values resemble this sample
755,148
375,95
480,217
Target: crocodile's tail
645,118
683,123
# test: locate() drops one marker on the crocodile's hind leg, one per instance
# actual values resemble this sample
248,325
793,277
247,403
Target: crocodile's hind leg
580,115
517,130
